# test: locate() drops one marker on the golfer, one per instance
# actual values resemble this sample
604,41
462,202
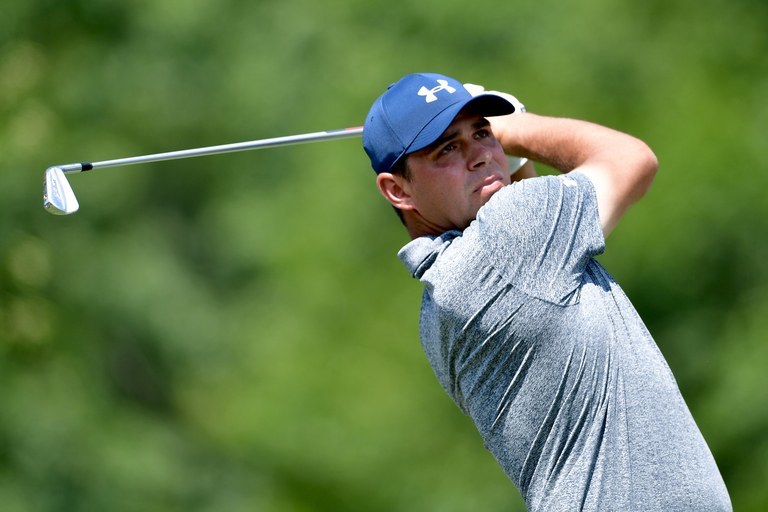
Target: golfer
526,332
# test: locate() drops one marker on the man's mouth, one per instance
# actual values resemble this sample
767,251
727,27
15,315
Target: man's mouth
490,180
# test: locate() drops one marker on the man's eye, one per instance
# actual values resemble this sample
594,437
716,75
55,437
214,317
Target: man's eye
481,134
447,149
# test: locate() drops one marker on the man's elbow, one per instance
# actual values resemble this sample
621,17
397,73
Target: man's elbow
645,165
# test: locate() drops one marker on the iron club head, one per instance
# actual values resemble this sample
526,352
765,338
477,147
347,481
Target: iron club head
58,197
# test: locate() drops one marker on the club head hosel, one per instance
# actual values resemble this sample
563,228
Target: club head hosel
74,168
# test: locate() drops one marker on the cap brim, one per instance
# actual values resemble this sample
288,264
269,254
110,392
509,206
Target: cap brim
486,105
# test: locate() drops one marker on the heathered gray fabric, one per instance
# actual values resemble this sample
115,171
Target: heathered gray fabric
536,342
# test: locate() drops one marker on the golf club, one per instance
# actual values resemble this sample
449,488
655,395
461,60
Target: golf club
59,199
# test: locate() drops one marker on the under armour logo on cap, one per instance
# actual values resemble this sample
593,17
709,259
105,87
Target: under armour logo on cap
431,94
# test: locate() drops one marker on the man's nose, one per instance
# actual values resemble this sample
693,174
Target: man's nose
479,156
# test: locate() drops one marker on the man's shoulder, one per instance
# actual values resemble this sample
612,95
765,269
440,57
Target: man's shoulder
531,190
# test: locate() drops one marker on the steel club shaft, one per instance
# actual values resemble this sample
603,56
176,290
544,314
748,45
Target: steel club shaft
59,199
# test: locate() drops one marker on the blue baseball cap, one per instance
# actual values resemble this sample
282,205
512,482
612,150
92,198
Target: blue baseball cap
415,111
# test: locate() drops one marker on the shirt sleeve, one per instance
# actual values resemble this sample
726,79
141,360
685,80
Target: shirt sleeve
541,232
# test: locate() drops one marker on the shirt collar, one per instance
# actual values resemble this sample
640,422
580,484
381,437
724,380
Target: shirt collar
419,254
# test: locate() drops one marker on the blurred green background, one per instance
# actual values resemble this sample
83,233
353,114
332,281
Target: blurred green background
235,333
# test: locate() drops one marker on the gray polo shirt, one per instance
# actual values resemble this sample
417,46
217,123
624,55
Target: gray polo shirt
536,342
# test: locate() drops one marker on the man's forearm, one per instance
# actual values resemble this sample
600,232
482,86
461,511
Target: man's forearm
561,143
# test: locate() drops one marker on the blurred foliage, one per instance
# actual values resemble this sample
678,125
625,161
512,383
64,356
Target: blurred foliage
235,332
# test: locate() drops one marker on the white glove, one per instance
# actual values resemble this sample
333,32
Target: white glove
515,163
477,90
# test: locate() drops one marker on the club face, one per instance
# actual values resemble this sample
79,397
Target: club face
58,197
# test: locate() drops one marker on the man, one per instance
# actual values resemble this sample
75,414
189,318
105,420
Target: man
527,333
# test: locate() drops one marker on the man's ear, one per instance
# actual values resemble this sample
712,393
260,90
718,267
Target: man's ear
396,190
